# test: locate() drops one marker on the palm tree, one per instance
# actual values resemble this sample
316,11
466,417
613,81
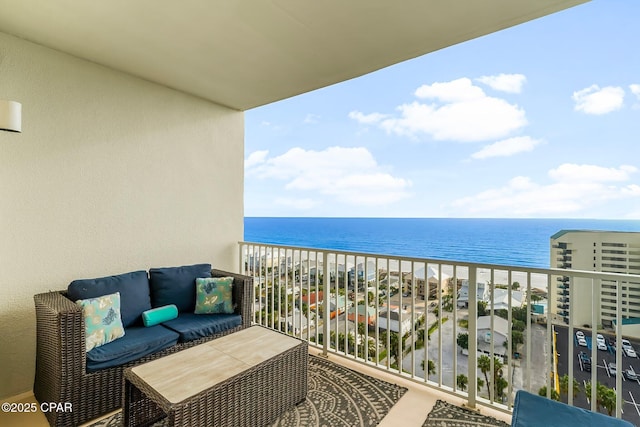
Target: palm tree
421,335
393,344
361,327
587,392
484,364
554,394
499,383
431,365
462,381
564,385
607,398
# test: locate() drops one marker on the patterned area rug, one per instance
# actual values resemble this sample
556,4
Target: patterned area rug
444,414
337,397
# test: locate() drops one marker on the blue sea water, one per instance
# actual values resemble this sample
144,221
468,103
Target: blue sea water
520,242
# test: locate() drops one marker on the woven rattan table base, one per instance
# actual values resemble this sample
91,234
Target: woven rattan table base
256,396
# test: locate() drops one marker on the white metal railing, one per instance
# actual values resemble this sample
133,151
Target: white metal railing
405,315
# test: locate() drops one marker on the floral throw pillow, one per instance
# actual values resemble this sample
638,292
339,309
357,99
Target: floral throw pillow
214,296
102,321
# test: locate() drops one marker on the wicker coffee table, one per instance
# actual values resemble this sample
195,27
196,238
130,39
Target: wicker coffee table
247,378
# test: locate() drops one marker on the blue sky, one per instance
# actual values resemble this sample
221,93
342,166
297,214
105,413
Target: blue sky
537,121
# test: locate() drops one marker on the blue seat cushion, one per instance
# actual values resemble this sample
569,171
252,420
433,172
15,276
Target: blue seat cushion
176,285
137,342
133,288
530,410
192,326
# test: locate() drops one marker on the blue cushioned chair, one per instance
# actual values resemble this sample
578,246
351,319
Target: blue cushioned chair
530,410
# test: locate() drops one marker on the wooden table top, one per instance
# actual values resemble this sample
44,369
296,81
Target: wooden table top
186,373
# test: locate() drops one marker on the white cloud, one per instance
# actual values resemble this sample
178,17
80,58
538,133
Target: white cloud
593,100
570,172
573,190
312,119
459,111
635,89
303,204
507,147
255,158
348,175
511,83
367,119
459,90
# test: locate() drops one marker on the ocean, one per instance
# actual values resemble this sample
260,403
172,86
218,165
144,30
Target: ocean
518,242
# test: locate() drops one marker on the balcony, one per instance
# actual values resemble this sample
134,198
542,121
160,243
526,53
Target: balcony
286,277
470,348
410,411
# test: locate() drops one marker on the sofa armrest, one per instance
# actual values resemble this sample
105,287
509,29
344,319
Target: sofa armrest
242,287
60,346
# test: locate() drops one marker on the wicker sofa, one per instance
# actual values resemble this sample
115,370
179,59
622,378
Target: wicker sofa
61,363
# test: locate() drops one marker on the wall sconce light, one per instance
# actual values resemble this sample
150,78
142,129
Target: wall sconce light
10,116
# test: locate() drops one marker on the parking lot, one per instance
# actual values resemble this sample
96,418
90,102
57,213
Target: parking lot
606,372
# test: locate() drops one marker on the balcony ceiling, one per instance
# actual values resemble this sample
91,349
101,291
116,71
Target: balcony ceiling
244,54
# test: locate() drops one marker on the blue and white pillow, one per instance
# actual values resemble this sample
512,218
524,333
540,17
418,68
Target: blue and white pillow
102,321
214,295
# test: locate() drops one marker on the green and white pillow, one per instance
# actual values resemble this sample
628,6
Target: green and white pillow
214,295
102,321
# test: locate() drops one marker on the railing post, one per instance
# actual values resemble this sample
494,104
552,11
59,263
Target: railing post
619,398
473,338
326,284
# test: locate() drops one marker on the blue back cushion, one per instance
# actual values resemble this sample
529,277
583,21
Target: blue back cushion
177,285
133,288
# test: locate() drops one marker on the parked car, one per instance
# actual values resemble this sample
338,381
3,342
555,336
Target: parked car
579,334
628,349
585,361
612,369
630,374
601,343
582,342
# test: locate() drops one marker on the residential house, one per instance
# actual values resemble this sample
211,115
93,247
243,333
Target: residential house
338,305
482,293
312,299
391,319
429,288
501,299
365,314
499,333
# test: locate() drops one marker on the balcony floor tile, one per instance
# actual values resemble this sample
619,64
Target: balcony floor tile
415,405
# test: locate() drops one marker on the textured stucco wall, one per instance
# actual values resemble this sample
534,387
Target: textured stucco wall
111,174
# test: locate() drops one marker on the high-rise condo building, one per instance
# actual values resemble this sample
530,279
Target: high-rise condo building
606,251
